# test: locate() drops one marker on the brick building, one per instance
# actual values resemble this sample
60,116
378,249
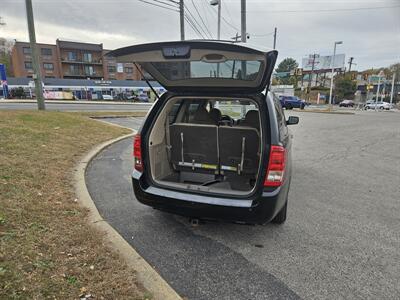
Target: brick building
71,60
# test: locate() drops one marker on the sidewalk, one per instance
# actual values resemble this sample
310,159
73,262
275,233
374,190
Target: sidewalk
76,102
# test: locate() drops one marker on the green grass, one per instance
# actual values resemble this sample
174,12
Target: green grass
46,244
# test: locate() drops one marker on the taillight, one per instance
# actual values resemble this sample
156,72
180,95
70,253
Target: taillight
276,166
137,152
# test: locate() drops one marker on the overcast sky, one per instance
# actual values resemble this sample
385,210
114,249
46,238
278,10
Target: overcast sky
369,29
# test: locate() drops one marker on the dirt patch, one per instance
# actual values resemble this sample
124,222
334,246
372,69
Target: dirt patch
47,249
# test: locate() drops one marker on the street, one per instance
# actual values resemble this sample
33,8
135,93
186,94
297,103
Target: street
341,238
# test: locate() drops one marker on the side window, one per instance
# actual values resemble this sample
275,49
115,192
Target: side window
174,112
283,131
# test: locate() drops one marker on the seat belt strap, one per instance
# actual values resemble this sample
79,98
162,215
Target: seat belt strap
168,138
183,160
242,158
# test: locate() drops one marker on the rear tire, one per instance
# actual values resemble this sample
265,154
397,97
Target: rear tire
289,106
280,218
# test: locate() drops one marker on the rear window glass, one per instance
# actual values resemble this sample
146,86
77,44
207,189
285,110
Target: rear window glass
236,109
229,69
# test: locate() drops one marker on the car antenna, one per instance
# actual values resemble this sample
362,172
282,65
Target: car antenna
148,83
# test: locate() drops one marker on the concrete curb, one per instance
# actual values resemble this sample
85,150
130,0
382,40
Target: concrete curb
146,275
120,116
325,112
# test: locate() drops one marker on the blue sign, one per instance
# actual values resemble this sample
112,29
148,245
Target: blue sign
3,80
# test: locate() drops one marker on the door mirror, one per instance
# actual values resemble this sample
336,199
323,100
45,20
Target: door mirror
292,120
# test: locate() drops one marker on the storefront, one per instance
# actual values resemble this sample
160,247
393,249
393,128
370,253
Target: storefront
77,89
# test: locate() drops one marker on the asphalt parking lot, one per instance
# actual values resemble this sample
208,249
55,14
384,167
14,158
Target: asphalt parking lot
341,238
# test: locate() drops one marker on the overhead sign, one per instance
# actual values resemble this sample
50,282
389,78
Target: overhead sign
323,63
102,82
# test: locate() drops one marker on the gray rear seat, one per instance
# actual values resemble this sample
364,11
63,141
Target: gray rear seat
194,147
239,149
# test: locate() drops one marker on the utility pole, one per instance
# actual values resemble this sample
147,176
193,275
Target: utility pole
35,56
377,90
351,63
275,38
310,76
219,20
243,38
182,19
333,70
392,91
243,21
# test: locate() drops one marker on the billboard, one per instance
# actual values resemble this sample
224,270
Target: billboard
323,63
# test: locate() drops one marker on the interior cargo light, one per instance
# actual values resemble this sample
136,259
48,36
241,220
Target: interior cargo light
137,152
276,166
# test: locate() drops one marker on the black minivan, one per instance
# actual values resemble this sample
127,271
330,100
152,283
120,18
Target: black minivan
214,146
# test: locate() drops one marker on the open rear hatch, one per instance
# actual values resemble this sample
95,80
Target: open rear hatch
193,66
202,139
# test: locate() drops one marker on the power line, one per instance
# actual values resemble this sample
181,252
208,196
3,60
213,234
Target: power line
154,4
195,29
167,4
322,10
229,13
194,20
201,19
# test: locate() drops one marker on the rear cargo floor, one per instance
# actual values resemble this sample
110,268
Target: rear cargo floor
226,184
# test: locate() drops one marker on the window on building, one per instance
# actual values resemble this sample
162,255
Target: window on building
87,57
128,70
89,70
46,51
72,55
74,70
27,50
28,65
48,66
112,69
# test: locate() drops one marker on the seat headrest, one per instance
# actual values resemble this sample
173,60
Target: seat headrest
201,116
252,119
215,114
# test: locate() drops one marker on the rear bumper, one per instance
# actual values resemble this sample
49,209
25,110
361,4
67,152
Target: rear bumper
258,210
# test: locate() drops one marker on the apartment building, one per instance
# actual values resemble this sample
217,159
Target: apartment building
21,60
119,71
71,60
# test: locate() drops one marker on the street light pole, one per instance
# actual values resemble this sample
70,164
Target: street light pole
214,3
333,70
35,56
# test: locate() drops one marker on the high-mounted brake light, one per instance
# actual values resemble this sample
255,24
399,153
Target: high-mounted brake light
276,166
137,152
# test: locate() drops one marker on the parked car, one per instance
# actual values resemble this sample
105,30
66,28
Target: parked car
107,97
139,98
212,147
346,103
290,102
379,105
